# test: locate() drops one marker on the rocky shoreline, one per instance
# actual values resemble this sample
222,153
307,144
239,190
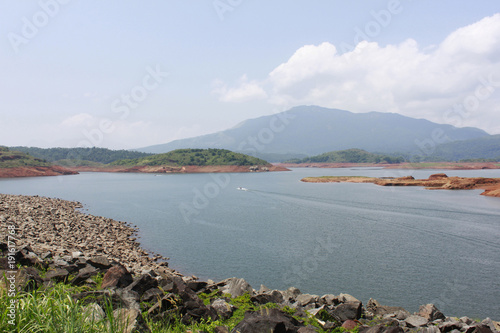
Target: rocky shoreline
68,246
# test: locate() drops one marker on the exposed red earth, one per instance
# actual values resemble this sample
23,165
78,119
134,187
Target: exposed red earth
35,171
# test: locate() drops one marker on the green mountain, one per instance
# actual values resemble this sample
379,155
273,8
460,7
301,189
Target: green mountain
200,157
13,159
80,156
313,130
481,148
349,156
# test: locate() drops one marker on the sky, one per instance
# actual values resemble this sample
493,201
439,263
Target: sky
125,74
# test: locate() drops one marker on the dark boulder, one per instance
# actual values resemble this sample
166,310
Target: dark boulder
346,311
117,276
267,320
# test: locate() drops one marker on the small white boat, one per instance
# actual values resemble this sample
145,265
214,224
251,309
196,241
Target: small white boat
242,188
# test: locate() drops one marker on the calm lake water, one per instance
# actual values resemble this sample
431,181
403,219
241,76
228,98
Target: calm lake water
402,246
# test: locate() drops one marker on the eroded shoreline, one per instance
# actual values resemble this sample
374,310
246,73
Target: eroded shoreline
441,181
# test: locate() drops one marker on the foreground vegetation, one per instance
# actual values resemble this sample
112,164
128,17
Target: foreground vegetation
54,310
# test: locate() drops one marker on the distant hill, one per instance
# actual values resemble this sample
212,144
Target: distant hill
15,159
198,157
79,156
313,130
481,148
349,156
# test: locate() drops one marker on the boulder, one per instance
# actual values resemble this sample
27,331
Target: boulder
382,310
416,321
343,298
480,329
267,320
129,320
305,299
223,308
99,262
143,283
116,276
58,275
93,313
84,274
235,287
274,296
430,312
346,311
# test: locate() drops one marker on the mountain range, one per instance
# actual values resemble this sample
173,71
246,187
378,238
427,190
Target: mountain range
312,130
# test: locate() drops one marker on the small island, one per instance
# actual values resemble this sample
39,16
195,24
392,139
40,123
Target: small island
491,186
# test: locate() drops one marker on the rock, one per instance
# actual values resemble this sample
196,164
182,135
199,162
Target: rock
58,275
152,295
493,325
267,320
291,294
349,324
305,299
84,274
329,299
380,329
344,298
196,285
129,320
93,313
143,283
381,310
76,254
480,329
438,176
221,329
28,279
100,262
430,312
274,296
235,287
346,311
223,308
116,276
416,321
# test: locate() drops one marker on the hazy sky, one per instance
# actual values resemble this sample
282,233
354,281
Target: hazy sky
127,74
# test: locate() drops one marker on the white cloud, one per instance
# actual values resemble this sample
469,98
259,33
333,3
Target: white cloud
422,82
78,120
244,91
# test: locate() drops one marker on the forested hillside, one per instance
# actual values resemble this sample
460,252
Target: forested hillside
80,156
199,157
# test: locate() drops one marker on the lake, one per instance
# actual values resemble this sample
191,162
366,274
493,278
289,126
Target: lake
403,246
